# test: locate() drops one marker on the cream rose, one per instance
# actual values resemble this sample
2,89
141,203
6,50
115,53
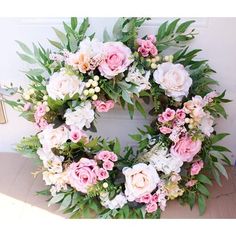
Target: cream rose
174,79
50,138
62,84
140,180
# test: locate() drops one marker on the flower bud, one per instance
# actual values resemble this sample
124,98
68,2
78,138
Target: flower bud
88,84
94,97
86,92
96,78
45,97
94,84
105,185
153,66
91,91
90,81
97,89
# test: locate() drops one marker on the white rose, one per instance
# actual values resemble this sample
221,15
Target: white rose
62,84
174,79
50,138
140,180
206,124
50,161
166,163
83,115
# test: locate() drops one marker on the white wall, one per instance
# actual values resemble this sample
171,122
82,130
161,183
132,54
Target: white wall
217,38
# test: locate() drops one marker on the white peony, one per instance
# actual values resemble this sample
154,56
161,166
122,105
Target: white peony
117,202
91,48
206,124
50,137
62,84
83,115
137,78
174,79
50,161
140,180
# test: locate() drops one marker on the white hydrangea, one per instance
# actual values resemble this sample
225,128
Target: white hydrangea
50,137
62,84
206,124
91,48
82,115
117,202
50,161
137,78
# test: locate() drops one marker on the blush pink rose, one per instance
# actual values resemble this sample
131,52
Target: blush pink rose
155,197
152,38
165,130
160,119
186,148
106,155
191,183
113,157
180,114
151,207
108,165
104,106
82,175
196,167
168,114
102,174
76,135
117,59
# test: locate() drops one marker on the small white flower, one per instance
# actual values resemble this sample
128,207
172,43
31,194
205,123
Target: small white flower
62,84
83,115
117,202
206,124
174,79
137,78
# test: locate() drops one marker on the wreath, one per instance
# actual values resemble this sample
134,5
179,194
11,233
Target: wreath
177,155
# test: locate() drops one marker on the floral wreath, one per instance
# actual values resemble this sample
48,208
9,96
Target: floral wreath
177,154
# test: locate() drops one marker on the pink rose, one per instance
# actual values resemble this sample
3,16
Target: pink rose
82,175
27,106
161,119
151,207
196,167
102,174
180,114
117,59
41,110
168,114
76,135
165,130
147,47
155,197
191,183
145,199
186,148
108,165
106,155
104,106
152,38
113,157
42,123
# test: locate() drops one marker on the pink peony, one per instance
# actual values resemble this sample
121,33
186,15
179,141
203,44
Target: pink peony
104,106
108,165
168,114
180,114
165,130
76,135
196,167
117,59
186,148
146,47
151,207
82,175
102,174
191,183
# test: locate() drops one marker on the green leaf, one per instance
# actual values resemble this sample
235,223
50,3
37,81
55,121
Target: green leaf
56,44
92,143
83,27
162,31
61,36
126,97
203,179
171,27
45,192
220,110
35,72
131,110
191,199
126,211
136,137
26,58
65,203
202,189
56,198
182,27
140,109
117,147
201,204
24,47
74,22
216,176
220,148
216,138
222,169
106,36
117,29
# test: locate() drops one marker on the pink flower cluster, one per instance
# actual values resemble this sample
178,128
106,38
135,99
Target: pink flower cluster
172,122
150,200
104,106
147,46
196,167
38,116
